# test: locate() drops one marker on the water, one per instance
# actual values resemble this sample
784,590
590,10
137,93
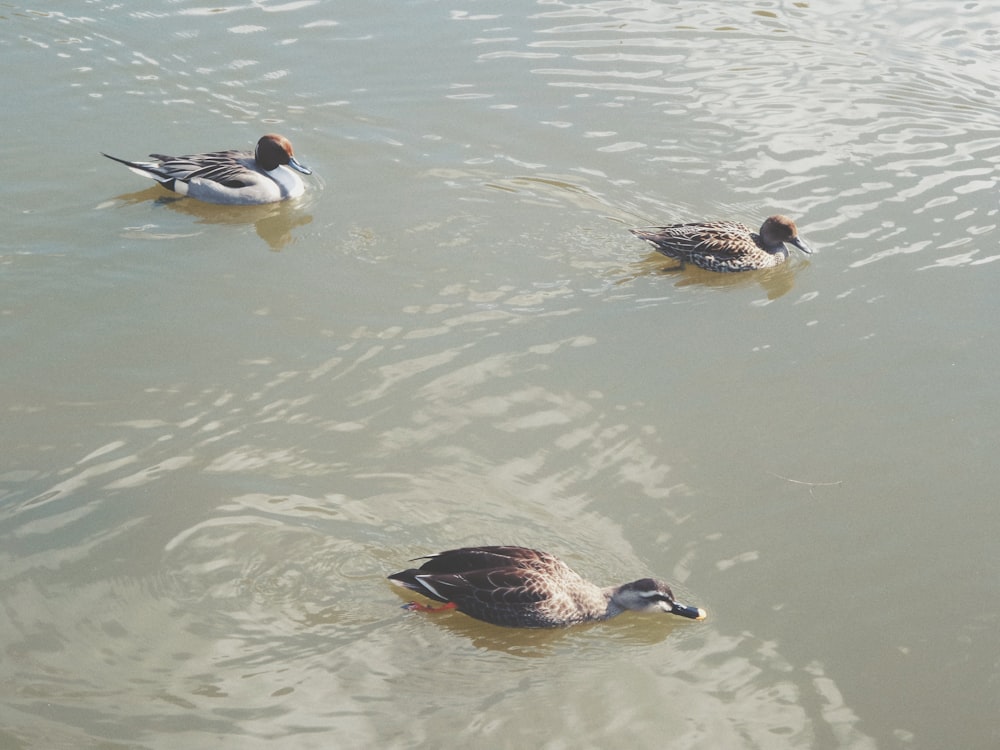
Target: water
224,427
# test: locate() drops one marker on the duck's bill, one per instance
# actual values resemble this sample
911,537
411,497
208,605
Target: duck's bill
801,245
299,167
692,613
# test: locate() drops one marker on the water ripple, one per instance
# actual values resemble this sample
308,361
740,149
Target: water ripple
213,467
900,104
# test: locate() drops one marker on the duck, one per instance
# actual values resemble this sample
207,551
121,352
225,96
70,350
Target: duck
527,588
726,246
231,177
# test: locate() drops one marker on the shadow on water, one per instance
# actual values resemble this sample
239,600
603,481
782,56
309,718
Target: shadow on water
776,282
628,629
274,223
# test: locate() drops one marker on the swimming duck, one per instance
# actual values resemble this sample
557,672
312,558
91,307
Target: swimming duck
229,177
726,246
526,588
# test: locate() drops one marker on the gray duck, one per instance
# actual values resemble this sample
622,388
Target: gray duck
726,246
525,588
234,177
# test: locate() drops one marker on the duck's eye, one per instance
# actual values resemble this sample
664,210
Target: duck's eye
656,596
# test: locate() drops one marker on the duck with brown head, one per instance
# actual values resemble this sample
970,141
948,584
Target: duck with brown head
234,177
726,246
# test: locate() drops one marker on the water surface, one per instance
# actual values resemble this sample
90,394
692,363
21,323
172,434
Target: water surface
224,427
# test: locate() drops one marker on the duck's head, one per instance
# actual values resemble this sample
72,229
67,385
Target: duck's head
777,230
274,150
650,595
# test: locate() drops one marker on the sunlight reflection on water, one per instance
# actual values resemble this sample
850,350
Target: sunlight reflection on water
217,452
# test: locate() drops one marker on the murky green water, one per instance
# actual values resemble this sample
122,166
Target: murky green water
223,428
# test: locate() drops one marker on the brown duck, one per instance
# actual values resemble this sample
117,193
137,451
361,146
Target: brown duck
525,588
726,246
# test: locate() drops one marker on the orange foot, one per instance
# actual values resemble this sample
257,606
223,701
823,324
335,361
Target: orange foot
418,607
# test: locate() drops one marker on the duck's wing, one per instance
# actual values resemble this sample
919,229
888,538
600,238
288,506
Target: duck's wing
467,559
723,239
495,587
414,580
228,168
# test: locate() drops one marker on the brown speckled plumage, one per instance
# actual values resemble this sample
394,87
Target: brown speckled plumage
726,246
520,587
